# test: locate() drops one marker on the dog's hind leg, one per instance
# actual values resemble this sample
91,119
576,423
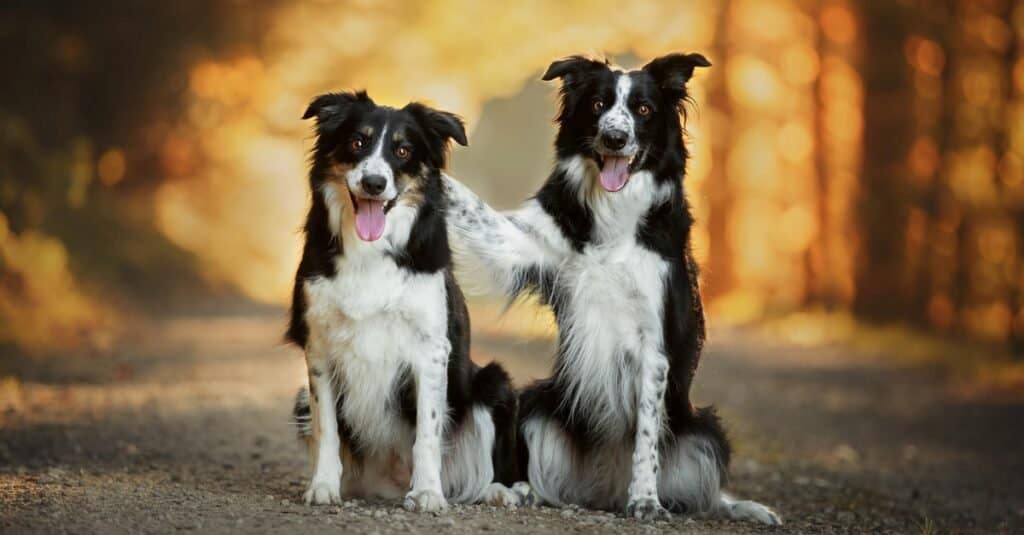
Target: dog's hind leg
550,462
694,470
482,459
747,510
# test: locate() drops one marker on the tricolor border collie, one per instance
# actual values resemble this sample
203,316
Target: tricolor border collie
394,405
605,243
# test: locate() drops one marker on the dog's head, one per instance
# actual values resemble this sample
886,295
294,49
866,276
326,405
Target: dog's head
382,155
622,120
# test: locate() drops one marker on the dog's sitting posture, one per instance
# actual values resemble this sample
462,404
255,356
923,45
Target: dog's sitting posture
394,401
605,243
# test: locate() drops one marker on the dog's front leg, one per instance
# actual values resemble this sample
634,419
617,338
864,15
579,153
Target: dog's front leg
643,487
431,413
325,486
509,246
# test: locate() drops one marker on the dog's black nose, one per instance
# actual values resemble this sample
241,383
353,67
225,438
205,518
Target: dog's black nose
614,139
374,184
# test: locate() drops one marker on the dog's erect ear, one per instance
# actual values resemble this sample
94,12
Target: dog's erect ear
444,124
331,109
671,72
572,67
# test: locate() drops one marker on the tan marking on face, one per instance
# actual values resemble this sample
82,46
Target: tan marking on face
411,188
336,172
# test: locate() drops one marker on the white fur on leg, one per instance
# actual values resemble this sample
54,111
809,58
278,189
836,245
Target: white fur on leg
643,486
748,510
690,474
325,486
431,416
468,464
550,467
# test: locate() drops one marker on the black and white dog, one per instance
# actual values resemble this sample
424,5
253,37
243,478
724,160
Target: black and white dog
605,243
393,397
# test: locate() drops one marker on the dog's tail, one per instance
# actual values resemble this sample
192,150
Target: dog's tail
493,389
302,418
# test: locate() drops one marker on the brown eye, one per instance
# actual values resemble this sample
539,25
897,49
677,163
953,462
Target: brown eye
598,105
356,145
644,109
402,152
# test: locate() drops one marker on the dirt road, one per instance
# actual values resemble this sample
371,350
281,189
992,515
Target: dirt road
186,429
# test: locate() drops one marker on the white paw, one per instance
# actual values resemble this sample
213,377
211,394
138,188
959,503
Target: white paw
321,492
527,497
748,510
425,501
646,509
500,495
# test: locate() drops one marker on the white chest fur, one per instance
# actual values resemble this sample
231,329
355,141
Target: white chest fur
613,321
368,320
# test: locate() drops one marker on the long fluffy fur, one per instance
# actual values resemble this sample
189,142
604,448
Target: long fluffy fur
613,427
393,400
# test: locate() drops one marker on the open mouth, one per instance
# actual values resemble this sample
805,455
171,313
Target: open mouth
371,216
616,169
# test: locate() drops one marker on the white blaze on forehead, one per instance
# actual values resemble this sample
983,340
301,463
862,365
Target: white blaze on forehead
374,164
619,116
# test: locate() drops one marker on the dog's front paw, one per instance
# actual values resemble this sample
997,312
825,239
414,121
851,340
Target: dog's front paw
647,510
323,492
425,501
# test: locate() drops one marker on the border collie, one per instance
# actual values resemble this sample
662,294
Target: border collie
394,405
605,243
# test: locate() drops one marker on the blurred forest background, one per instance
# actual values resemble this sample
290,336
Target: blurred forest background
858,160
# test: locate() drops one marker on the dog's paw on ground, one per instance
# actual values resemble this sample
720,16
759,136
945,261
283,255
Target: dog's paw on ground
501,496
647,509
527,497
750,510
425,501
323,493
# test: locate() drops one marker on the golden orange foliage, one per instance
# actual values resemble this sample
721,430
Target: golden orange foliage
41,306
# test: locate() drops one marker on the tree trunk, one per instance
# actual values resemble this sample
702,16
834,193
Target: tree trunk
882,206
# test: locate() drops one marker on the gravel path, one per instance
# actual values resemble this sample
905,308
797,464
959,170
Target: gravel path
186,429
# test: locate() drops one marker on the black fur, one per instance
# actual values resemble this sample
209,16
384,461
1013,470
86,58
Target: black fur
665,230
339,117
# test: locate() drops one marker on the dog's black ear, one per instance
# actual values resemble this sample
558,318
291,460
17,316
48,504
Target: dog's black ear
444,124
331,109
671,72
571,67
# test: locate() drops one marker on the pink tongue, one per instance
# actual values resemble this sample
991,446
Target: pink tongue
369,219
615,173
